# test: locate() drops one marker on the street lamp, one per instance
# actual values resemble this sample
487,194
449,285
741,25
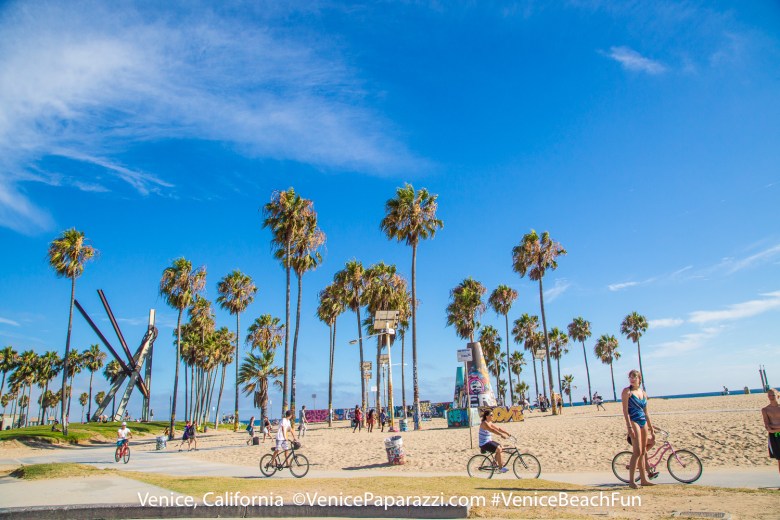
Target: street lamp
386,322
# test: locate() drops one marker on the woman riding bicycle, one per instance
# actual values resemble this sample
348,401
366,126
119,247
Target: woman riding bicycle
486,443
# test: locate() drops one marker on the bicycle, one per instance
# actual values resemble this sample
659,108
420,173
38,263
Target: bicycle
525,465
684,465
297,464
122,451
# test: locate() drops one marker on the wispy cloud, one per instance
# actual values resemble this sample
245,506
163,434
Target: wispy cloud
621,286
559,287
733,265
665,323
9,322
687,343
632,60
89,81
738,311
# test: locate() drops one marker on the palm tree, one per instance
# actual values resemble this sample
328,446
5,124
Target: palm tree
223,340
236,292
47,367
74,364
352,282
111,372
332,304
68,254
633,327
521,388
93,360
265,336
179,285
285,215
411,217
534,256
516,364
465,308
606,350
8,360
568,381
501,300
202,355
83,400
579,330
23,377
99,397
491,348
305,257
523,332
558,342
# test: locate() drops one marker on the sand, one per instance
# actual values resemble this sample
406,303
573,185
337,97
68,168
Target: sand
725,431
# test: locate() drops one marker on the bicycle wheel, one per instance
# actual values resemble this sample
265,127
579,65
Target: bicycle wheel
526,466
480,466
118,454
266,467
299,465
621,465
684,466
126,454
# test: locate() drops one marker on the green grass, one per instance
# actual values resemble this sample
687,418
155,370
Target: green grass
82,433
57,470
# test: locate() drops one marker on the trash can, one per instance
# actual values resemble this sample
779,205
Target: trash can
395,450
404,425
161,442
255,441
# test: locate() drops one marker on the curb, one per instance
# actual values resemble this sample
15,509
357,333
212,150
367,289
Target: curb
133,511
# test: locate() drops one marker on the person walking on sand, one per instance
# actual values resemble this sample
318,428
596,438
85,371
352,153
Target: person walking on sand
370,421
250,429
639,427
382,419
771,415
266,428
486,443
358,419
302,422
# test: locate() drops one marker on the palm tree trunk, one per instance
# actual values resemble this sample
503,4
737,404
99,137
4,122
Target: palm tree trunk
612,372
363,394
641,371
378,377
63,415
536,378
544,383
70,394
295,344
403,372
186,393
587,371
415,381
508,358
89,405
286,328
547,346
171,435
238,335
560,387
219,398
332,334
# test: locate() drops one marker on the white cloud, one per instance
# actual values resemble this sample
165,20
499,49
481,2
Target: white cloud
9,322
664,323
87,81
559,287
733,265
686,343
738,311
621,286
632,60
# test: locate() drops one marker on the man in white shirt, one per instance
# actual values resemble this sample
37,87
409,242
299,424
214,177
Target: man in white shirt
282,442
123,434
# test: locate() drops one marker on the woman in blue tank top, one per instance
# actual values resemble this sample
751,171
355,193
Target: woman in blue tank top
640,429
486,443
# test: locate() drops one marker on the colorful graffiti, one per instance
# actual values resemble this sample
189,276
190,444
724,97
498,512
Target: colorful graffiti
459,417
505,414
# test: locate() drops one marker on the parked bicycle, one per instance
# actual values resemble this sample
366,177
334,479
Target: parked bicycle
297,464
122,451
684,465
524,465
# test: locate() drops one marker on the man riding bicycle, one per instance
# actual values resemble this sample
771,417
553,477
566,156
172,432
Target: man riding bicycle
123,434
282,442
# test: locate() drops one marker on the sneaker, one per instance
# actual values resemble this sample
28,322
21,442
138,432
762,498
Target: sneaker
503,470
652,474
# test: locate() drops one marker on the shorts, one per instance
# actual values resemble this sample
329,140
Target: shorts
489,447
282,445
774,445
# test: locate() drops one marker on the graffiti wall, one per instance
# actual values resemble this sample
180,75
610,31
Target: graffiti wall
339,414
479,388
458,417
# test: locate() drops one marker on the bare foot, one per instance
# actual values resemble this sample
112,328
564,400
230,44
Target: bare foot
632,485
648,483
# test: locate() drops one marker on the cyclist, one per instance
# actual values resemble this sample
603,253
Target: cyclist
486,443
282,442
640,429
122,435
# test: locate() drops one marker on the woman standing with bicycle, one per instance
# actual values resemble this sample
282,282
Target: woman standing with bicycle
486,443
640,429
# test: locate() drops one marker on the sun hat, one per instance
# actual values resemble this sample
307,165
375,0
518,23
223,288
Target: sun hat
124,423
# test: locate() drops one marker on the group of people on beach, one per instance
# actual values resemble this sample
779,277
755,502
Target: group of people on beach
639,430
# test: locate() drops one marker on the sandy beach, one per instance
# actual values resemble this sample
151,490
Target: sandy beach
725,431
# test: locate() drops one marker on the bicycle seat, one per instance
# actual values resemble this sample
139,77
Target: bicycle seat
483,451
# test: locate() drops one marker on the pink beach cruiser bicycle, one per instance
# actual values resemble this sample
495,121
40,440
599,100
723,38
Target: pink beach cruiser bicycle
683,465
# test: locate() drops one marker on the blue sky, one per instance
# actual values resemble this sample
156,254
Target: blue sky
644,138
